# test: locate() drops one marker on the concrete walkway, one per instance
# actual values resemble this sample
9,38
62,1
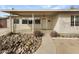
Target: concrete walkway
47,46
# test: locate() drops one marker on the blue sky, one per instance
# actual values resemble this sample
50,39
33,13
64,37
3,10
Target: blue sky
24,7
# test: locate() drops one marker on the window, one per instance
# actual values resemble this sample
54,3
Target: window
24,21
37,21
74,20
30,21
16,21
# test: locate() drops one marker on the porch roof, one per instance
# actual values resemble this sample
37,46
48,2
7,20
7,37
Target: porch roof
39,12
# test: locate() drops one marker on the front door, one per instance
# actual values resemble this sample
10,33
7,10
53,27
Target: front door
44,23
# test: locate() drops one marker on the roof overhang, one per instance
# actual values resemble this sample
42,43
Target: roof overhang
38,12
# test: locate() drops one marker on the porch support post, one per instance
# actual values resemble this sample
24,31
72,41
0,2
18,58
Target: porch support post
11,23
33,22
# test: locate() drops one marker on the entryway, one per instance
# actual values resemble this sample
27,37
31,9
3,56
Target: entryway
44,23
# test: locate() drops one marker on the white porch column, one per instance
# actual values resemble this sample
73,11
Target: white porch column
33,22
11,23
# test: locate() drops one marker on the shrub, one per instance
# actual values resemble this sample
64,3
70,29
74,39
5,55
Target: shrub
12,33
54,34
38,34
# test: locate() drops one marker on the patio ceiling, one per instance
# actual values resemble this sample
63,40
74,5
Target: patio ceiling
38,12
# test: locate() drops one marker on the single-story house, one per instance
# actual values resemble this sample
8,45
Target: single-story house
61,21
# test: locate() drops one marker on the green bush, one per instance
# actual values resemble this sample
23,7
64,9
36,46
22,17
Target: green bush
12,33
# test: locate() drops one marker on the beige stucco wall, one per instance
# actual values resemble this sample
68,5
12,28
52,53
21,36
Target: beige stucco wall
60,23
25,27
28,27
63,24
51,24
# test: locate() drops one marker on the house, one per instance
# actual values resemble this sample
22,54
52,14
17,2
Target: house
61,21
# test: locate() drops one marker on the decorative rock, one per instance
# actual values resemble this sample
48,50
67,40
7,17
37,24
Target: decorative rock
19,43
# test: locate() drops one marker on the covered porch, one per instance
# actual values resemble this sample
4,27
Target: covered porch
39,20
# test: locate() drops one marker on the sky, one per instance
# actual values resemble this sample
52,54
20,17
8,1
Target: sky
34,7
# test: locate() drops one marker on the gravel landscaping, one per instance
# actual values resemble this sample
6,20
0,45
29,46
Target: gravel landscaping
18,43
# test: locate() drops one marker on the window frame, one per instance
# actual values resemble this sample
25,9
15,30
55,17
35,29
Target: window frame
74,20
37,21
15,22
30,21
25,21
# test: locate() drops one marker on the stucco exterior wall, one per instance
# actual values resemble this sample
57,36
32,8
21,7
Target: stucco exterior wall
64,25
25,27
60,23
50,22
28,27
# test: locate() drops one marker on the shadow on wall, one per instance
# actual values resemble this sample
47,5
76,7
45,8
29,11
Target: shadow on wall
55,23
